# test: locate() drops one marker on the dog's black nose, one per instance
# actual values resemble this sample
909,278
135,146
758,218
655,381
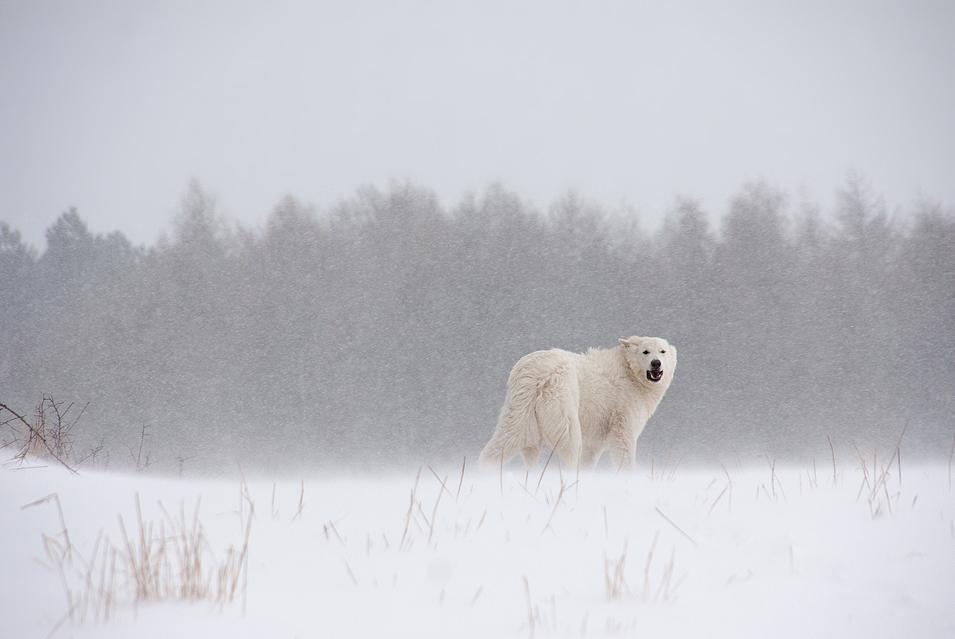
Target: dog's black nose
655,364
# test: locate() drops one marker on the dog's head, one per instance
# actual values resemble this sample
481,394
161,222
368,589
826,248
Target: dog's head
650,358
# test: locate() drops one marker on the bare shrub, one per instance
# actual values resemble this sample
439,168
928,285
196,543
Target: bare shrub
49,436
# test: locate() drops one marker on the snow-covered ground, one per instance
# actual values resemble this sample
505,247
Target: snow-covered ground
740,551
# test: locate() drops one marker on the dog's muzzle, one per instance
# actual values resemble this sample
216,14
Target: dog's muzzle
655,374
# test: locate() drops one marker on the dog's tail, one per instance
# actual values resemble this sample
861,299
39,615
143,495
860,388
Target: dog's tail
517,429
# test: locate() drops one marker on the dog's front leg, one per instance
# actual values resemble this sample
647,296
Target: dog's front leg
623,449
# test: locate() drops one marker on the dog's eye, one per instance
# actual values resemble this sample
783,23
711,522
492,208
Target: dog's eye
662,352
646,352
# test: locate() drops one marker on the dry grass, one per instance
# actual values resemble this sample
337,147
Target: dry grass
876,478
416,513
168,558
189,545
663,473
560,496
614,579
537,618
90,586
666,590
233,570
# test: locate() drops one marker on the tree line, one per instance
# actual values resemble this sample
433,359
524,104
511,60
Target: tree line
383,328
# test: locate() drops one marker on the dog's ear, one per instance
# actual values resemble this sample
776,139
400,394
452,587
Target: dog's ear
631,341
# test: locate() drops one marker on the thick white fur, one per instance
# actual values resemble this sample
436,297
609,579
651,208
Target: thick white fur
581,404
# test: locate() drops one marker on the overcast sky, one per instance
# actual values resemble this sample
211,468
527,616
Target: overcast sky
113,106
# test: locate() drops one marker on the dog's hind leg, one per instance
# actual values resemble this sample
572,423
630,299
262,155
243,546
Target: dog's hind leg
589,457
531,454
558,415
568,441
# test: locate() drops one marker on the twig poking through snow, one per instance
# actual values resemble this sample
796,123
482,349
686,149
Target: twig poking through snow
950,455
461,482
646,570
434,513
718,499
350,573
502,473
443,482
530,610
410,511
59,509
560,496
301,503
553,449
833,451
675,526
735,454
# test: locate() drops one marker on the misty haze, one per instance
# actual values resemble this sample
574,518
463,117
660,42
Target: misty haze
382,329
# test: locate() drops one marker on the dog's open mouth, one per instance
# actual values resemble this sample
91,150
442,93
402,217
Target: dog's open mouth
655,375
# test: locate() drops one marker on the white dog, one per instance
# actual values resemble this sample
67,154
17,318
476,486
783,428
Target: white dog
582,404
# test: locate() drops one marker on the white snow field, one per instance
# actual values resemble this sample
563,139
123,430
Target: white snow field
735,551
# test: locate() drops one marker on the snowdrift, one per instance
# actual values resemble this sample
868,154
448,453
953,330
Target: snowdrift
743,550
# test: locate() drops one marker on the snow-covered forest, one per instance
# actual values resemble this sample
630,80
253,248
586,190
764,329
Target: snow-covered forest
382,329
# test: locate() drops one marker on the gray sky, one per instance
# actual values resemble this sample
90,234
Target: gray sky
113,106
